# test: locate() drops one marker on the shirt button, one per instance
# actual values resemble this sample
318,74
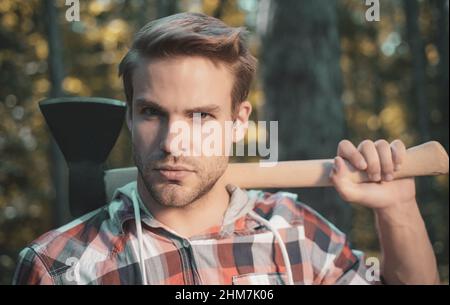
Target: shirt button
186,243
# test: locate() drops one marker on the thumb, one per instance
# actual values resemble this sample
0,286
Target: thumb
348,190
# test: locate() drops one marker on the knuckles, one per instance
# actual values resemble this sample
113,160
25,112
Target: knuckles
382,144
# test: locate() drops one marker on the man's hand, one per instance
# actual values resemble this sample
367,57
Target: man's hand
407,254
379,160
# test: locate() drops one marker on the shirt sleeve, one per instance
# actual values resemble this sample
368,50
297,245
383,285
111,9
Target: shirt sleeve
31,270
351,268
332,258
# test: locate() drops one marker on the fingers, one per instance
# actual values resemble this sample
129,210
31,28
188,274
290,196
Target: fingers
370,153
386,161
382,158
398,150
379,159
348,151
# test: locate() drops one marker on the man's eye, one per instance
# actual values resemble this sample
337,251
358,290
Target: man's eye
203,115
149,111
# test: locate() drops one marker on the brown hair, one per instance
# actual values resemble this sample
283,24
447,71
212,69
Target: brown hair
192,34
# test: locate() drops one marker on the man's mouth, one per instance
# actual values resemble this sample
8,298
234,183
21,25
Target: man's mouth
175,172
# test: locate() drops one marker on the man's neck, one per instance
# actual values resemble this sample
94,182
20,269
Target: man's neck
203,213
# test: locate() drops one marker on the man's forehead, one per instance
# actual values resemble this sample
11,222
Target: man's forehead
180,84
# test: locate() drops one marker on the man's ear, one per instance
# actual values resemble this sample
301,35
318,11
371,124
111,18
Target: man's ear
241,121
129,118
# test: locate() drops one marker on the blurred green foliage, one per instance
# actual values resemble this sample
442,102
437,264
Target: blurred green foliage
376,63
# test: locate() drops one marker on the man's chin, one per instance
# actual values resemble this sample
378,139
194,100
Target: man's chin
172,194
169,185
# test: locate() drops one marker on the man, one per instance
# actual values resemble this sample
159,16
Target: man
181,223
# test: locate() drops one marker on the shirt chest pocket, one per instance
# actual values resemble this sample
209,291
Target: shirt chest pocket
274,278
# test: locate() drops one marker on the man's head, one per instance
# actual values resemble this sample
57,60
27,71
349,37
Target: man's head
177,66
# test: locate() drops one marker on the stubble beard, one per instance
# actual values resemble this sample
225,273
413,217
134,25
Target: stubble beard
173,194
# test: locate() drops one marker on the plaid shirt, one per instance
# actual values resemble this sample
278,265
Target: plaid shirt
102,248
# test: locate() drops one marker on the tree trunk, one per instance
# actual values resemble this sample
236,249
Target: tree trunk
302,83
167,7
442,44
418,62
58,170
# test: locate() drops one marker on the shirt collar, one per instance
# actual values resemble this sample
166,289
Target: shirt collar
234,217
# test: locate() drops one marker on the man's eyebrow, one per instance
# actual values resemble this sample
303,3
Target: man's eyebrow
141,102
206,108
211,108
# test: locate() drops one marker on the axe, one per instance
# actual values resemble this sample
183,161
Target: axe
86,130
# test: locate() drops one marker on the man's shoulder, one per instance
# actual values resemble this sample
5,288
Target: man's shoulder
95,231
285,209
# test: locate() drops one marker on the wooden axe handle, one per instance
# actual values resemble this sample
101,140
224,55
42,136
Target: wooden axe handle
423,160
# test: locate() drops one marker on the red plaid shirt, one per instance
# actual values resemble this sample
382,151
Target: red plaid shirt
101,247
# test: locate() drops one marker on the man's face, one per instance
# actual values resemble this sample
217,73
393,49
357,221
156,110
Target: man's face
168,91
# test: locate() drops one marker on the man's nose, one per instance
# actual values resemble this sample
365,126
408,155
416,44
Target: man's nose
175,138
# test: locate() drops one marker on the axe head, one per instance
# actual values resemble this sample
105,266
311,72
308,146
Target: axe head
85,129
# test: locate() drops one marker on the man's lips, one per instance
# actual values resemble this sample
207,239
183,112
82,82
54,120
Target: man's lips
173,172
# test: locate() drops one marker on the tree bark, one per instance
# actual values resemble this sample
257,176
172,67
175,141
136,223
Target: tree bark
58,169
167,7
303,86
418,62
442,44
